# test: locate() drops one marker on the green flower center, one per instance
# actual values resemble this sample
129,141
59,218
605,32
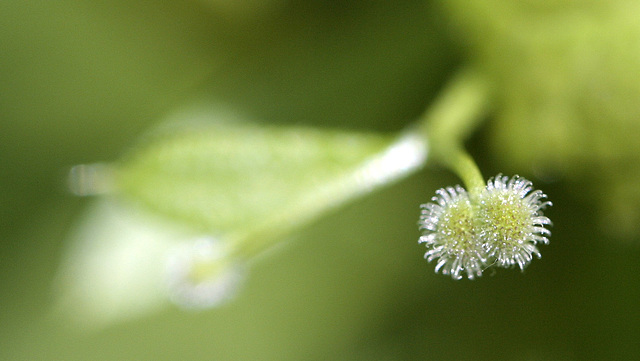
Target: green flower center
504,219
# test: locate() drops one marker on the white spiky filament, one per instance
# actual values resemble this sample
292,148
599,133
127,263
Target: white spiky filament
448,226
511,222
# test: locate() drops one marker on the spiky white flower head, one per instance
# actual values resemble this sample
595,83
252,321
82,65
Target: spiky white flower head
501,225
449,234
511,222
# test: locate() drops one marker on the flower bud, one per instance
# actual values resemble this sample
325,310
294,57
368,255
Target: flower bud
450,235
510,221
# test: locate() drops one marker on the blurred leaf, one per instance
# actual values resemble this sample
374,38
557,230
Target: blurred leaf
568,92
225,176
114,267
208,175
123,263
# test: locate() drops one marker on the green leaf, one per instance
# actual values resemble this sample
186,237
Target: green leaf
243,180
567,90
115,264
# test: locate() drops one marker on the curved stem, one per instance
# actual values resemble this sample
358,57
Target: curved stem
465,167
446,125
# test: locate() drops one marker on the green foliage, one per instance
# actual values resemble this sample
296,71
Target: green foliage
567,90
223,174
252,183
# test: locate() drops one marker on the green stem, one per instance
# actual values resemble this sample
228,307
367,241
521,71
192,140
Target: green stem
454,115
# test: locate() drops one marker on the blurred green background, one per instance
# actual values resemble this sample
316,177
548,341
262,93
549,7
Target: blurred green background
81,81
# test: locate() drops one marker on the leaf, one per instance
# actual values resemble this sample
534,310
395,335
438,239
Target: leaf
209,176
123,263
565,75
223,175
114,267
